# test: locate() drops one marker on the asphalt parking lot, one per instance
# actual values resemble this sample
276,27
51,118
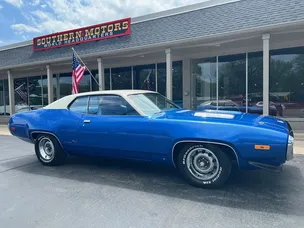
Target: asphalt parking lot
102,193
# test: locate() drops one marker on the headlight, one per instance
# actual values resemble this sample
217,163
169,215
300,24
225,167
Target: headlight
290,140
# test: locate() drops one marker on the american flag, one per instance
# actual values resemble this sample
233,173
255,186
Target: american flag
22,94
77,74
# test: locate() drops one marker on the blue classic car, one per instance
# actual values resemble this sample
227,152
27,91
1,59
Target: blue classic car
144,125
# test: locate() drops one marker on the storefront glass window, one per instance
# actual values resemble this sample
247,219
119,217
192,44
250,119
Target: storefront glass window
56,94
65,83
85,83
232,82
286,82
144,77
255,82
161,78
2,99
107,79
44,91
204,76
177,77
95,86
21,94
6,97
121,78
35,91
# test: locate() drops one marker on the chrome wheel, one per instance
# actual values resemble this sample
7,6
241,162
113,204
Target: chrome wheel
46,149
202,163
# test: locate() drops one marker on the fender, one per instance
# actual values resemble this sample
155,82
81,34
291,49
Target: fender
202,141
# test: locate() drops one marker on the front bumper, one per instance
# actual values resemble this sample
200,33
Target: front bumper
289,153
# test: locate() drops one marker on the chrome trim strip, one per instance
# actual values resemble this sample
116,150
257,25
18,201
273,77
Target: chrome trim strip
209,142
46,132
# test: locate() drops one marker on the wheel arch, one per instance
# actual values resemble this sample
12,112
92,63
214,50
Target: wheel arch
224,146
34,134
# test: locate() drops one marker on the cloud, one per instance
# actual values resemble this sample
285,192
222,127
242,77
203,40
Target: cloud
59,15
35,2
22,28
9,41
17,3
1,6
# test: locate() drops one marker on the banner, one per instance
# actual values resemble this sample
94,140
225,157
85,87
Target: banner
87,34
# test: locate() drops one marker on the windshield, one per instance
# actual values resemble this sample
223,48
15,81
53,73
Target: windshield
152,103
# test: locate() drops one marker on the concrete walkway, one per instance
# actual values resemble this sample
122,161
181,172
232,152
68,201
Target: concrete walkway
4,130
299,139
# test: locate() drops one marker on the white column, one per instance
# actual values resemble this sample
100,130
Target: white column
11,92
101,78
266,38
169,87
188,94
50,84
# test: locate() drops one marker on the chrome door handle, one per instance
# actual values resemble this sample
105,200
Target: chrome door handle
86,121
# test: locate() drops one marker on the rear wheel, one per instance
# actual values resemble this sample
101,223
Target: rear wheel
204,166
49,151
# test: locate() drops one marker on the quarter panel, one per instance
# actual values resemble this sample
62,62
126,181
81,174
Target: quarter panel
62,123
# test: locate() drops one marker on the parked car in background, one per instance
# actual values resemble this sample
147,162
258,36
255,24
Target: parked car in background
144,125
229,105
18,108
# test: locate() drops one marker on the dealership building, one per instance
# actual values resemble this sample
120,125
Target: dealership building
243,53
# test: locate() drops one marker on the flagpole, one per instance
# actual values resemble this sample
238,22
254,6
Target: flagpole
87,68
146,78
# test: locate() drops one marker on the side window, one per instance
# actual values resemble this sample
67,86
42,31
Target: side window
110,105
79,105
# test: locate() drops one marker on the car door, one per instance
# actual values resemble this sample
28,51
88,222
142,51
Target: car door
68,123
113,128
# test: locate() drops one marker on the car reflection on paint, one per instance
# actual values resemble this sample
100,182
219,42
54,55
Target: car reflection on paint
146,126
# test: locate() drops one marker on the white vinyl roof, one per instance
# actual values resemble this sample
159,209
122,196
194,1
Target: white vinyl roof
63,103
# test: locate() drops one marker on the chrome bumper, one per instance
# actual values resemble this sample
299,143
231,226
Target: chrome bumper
289,154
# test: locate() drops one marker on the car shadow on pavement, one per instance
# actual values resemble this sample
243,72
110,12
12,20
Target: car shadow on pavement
259,190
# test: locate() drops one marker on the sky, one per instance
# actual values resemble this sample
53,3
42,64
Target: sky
21,20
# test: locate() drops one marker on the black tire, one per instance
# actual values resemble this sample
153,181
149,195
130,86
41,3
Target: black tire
58,156
219,175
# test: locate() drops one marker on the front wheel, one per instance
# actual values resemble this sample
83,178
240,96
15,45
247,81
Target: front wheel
205,166
48,150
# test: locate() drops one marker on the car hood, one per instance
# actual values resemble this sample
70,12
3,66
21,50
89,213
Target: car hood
227,117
